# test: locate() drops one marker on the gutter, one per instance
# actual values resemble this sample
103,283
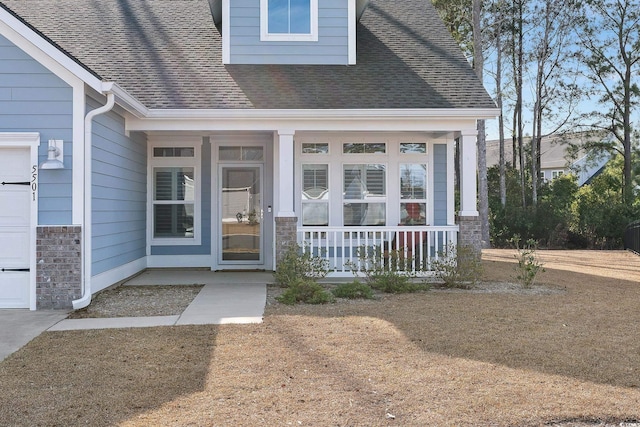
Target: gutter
107,89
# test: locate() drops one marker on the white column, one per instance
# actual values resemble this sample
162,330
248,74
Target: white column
468,173
285,176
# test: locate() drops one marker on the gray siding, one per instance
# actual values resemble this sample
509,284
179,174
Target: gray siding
205,195
331,47
119,189
440,184
33,99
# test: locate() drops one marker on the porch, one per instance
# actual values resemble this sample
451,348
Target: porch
350,251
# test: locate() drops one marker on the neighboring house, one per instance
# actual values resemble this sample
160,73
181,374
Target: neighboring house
191,133
555,160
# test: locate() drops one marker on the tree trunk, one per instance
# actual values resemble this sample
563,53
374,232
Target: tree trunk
483,189
503,184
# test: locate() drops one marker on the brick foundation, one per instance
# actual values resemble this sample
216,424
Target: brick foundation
470,233
286,235
59,268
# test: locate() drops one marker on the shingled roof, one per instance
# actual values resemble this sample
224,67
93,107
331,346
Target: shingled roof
168,54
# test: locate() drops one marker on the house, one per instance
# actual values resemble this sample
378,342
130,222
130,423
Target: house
555,157
141,134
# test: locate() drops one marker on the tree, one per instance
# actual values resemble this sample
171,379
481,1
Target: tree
464,20
478,66
555,93
609,46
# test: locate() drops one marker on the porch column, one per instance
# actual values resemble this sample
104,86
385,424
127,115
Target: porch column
468,173
286,221
469,233
285,178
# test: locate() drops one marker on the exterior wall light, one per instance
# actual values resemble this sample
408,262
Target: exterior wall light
54,155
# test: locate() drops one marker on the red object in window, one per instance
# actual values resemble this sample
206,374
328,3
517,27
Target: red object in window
413,210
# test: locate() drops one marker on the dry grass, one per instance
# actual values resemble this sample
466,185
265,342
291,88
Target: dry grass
435,358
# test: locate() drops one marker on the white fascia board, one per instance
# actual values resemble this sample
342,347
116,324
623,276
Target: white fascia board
35,45
126,100
226,31
352,32
319,120
60,64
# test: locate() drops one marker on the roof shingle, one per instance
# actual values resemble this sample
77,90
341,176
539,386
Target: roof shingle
168,54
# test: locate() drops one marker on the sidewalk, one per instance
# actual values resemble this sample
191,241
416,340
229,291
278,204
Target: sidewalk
216,304
227,297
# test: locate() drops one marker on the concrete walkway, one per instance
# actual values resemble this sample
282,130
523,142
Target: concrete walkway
227,297
19,326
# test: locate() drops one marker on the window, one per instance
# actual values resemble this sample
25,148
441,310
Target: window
315,148
364,148
413,148
364,194
556,174
241,154
315,194
173,202
289,20
413,194
174,206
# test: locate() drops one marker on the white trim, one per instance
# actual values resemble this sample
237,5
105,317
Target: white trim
285,173
352,32
77,161
451,188
52,58
226,32
44,52
194,162
346,114
308,120
468,173
279,37
173,261
29,140
115,275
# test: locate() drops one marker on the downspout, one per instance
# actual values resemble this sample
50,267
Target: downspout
87,216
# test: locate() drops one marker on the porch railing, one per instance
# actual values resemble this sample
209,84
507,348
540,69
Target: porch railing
351,250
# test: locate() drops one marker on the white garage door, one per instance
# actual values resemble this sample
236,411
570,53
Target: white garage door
15,217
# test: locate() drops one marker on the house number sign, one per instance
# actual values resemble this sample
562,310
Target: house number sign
33,183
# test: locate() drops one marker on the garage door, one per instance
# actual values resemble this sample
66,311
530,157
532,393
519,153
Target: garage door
15,216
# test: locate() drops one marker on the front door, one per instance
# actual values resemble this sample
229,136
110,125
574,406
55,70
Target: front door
241,215
15,226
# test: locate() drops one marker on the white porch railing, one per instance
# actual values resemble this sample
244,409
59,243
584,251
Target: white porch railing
401,248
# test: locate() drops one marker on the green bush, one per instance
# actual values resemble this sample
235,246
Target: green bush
390,274
528,264
393,283
296,264
458,266
353,290
306,291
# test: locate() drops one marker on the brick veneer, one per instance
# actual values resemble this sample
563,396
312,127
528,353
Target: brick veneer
286,235
470,233
58,272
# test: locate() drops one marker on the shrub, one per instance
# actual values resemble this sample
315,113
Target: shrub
458,266
307,291
353,290
528,264
390,273
296,264
394,283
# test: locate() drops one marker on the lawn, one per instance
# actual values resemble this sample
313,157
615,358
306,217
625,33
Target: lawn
566,356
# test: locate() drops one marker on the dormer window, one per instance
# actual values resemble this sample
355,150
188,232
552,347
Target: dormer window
289,20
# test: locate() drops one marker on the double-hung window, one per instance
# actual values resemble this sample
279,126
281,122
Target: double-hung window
175,185
289,20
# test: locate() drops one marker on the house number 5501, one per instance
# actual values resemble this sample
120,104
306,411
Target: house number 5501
34,181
